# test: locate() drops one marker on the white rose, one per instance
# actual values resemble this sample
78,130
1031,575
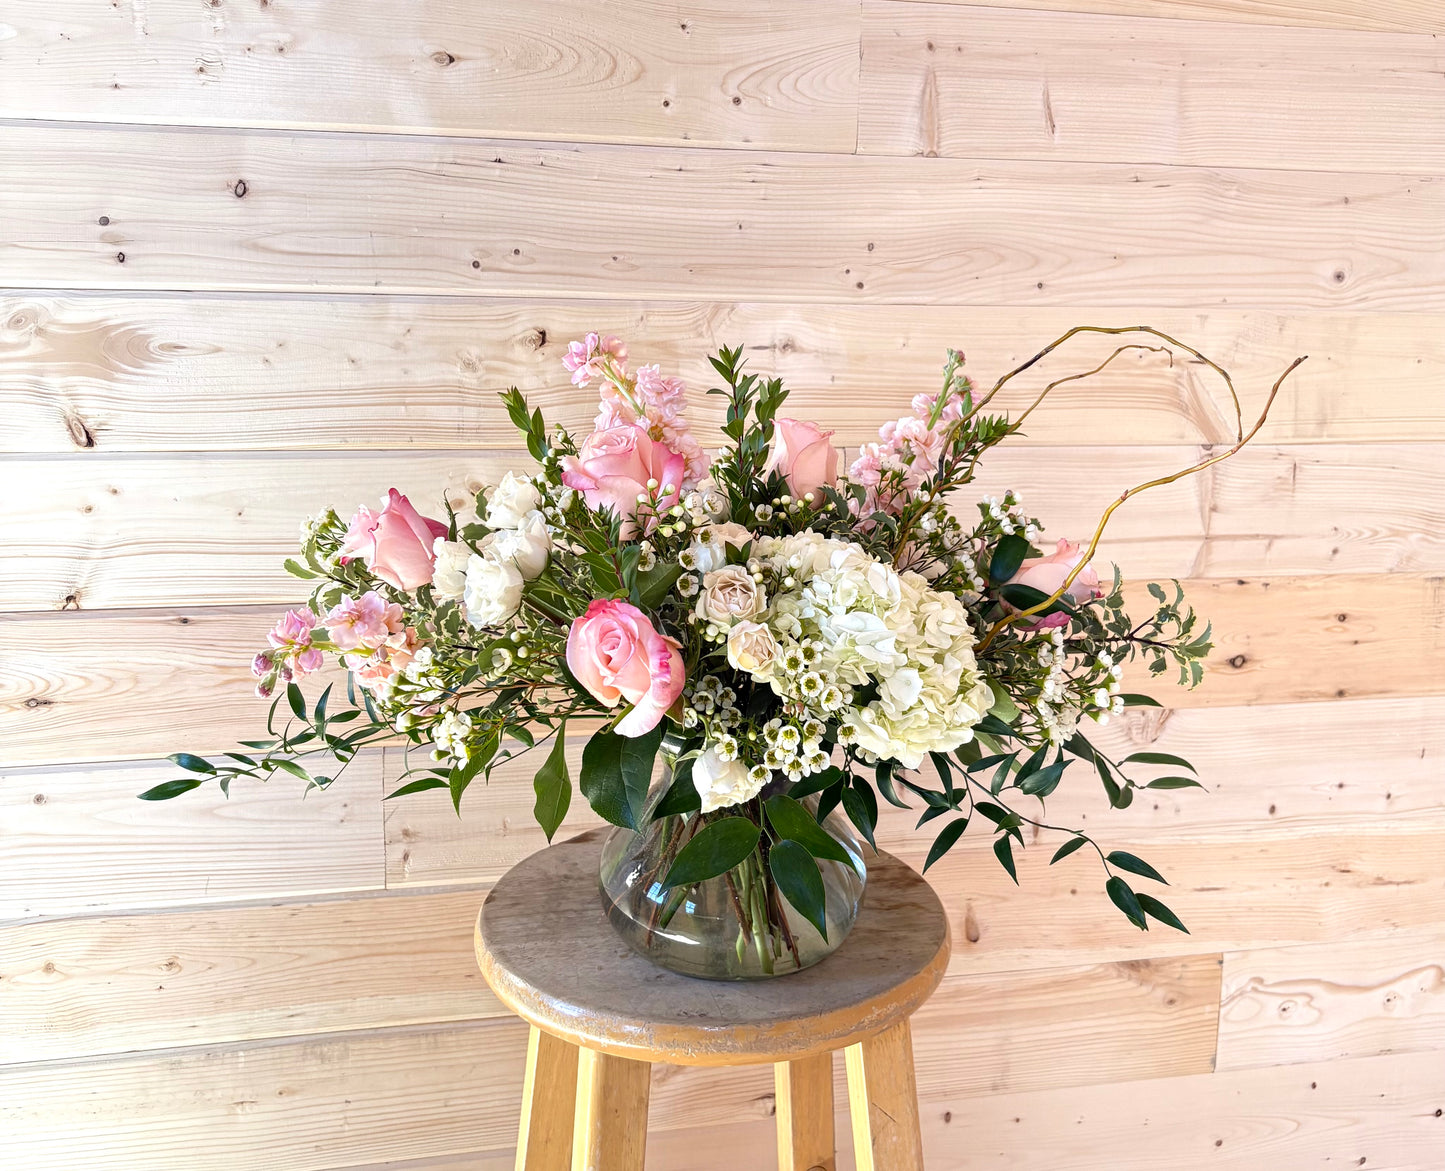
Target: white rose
729,595
494,591
527,546
719,782
449,579
752,648
511,501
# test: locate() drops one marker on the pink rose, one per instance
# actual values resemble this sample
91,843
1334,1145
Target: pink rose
612,469
1047,574
617,654
397,545
803,456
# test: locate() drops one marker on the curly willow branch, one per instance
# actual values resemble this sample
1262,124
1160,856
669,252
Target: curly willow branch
1240,436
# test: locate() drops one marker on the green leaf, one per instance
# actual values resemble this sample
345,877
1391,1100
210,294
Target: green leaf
816,782
168,789
1068,848
1133,699
461,777
1022,597
192,764
653,586
296,700
1159,911
295,569
1157,591
1046,780
420,785
1127,901
945,770
715,849
944,841
988,762
553,786
638,755
1008,555
884,777
862,808
1174,783
792,822
290,766
1003,849
796,874
681,796
1157,758
601,779
1135,865
994,726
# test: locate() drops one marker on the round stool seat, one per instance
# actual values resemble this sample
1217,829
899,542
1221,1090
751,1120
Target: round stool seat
549,953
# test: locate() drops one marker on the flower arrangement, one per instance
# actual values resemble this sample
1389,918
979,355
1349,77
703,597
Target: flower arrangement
794,639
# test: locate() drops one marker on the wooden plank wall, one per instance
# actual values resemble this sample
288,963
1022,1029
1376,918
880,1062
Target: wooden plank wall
256,255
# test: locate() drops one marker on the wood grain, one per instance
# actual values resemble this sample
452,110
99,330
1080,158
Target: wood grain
610,1131
1412,16
741,74
1323,1003
1332,1114
191,529
966,82
549,1098
429,216
100,687
75,841
804,1101
211,976
883,1102
117,373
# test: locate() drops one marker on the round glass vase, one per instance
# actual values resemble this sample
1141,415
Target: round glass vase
737,926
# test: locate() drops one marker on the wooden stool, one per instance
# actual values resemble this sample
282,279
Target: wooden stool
601,1014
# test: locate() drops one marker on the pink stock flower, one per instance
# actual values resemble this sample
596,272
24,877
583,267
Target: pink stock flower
291,636
395,653
396,544
1047,574
586,359
363,623
803,456
617,655
612,469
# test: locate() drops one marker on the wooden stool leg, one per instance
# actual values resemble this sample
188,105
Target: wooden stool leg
883,1100
549,1095
610,1133
805,1114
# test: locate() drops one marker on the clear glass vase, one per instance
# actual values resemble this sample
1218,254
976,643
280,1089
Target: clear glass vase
737,926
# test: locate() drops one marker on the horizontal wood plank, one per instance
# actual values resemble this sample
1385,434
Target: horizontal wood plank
1412,16
191,529
108,686
1332,1114
116,373
206,977
150,209
723,74
1327,1002
74,840
418,1094
994,83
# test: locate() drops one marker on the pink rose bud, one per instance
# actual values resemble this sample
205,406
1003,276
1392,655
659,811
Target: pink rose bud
396,545
1047,574
803,456
617,654
612,468
265,688
261,665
